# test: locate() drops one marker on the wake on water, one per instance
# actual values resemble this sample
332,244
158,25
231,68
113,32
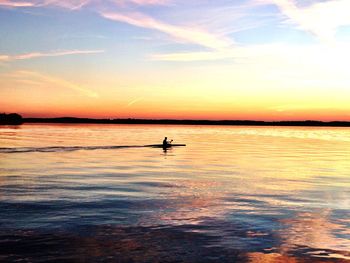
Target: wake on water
77,148
63,148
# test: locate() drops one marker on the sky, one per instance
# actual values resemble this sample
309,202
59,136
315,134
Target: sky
200,59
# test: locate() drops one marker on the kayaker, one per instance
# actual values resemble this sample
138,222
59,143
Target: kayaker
165,142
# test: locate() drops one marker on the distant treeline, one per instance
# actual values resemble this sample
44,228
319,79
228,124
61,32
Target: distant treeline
11,119
16,119
188,122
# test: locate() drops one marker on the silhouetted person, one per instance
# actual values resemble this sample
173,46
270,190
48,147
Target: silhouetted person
166,143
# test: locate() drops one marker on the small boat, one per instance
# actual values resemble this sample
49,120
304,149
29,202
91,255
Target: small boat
162,146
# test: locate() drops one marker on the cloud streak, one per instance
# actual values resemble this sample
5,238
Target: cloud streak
185,34
9,3
150,2
321,19
43,80
5,58
72,4
134,101
76,4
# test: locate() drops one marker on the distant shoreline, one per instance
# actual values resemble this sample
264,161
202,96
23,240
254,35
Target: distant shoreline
74,120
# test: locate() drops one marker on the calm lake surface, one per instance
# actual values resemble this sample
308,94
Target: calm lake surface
233,194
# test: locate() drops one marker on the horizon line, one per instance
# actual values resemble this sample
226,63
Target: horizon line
79,120
181,119
133,120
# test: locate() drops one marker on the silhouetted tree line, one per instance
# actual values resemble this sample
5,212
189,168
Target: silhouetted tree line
15,119
12,119
188,122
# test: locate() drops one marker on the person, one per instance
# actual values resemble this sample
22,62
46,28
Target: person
165,142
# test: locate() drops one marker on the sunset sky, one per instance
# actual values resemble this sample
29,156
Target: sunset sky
200,59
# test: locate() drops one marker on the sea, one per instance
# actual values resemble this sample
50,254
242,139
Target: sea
93,193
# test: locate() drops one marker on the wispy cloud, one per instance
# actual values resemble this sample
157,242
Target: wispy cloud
148,2
321,19
212,29
218,44
4,58
44,80
76,4
195,56
71,4
186,34
132,102
10,3
49,54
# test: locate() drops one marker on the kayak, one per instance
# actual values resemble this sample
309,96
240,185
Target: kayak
162,146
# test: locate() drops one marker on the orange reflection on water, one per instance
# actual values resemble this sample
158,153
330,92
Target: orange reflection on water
259,257
317,231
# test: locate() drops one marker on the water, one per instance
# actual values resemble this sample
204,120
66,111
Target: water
246,194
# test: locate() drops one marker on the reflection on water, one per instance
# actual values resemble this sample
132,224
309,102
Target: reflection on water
316,230
250,194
